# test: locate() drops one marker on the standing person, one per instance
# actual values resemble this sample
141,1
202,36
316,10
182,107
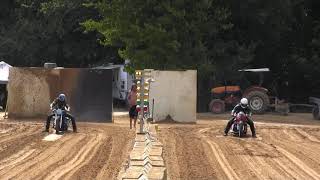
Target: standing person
132,98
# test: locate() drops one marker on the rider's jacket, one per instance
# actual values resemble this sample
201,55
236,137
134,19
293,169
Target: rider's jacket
59,104
238,108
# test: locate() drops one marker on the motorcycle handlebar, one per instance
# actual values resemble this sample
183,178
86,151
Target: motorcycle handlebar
234,115
52,109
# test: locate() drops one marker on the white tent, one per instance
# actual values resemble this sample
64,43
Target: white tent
4,72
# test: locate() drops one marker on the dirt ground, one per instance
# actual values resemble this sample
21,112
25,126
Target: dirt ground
287,147
98,151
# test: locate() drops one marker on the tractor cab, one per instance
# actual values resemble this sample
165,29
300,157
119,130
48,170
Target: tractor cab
249,85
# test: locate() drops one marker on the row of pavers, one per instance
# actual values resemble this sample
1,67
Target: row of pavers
146,161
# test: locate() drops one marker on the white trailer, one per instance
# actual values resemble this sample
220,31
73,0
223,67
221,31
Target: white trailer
121,82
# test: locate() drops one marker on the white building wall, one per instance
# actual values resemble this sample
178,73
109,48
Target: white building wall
174,94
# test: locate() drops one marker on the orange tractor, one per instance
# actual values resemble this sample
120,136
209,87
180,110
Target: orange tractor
230,95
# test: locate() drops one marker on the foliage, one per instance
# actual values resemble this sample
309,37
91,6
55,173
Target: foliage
216,37
170,34
36,31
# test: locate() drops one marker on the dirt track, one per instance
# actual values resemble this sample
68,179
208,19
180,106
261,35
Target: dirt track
281,151
286,148
98,151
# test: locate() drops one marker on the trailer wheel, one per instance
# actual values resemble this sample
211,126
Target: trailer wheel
315,113
217,106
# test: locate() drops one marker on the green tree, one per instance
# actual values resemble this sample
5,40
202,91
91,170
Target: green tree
36,31
179,34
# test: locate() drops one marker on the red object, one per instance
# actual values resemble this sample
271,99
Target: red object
241,117
138,109
145,109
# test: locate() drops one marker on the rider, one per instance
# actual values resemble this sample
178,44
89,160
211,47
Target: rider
61,103
241,107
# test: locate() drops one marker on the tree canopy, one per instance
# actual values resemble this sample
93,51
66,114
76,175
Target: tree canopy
216,37
36,31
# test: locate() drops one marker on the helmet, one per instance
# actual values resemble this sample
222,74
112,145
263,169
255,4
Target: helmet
244,102
62,97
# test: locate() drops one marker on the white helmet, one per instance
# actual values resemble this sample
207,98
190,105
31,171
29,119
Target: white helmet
244,102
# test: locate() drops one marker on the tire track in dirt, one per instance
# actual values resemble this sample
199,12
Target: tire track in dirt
50,158
293,136
110,169
289,169
95,164
86,160
279,163
290,160
271,162
308,136
27,166
6,129
256,154
191,160
236,158
77,159
304,167
263,154
19,133
245,155
252,160
24,155
227,169
16,158
170,156
15,144
301,145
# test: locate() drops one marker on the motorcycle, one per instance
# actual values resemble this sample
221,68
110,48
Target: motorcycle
60,122
240,124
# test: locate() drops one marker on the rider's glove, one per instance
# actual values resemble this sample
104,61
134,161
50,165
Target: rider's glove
233,114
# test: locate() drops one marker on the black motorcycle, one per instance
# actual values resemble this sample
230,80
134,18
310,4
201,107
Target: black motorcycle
60,122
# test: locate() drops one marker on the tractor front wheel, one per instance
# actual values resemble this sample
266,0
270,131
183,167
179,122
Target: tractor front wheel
217,106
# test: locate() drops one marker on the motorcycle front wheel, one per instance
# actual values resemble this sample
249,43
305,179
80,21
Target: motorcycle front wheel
241,132
57,126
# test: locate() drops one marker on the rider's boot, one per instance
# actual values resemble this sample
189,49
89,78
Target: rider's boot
74,127
254,135
225,133
226,130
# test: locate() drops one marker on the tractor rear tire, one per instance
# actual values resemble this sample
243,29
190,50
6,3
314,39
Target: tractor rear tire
315,113
217,106
258,101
